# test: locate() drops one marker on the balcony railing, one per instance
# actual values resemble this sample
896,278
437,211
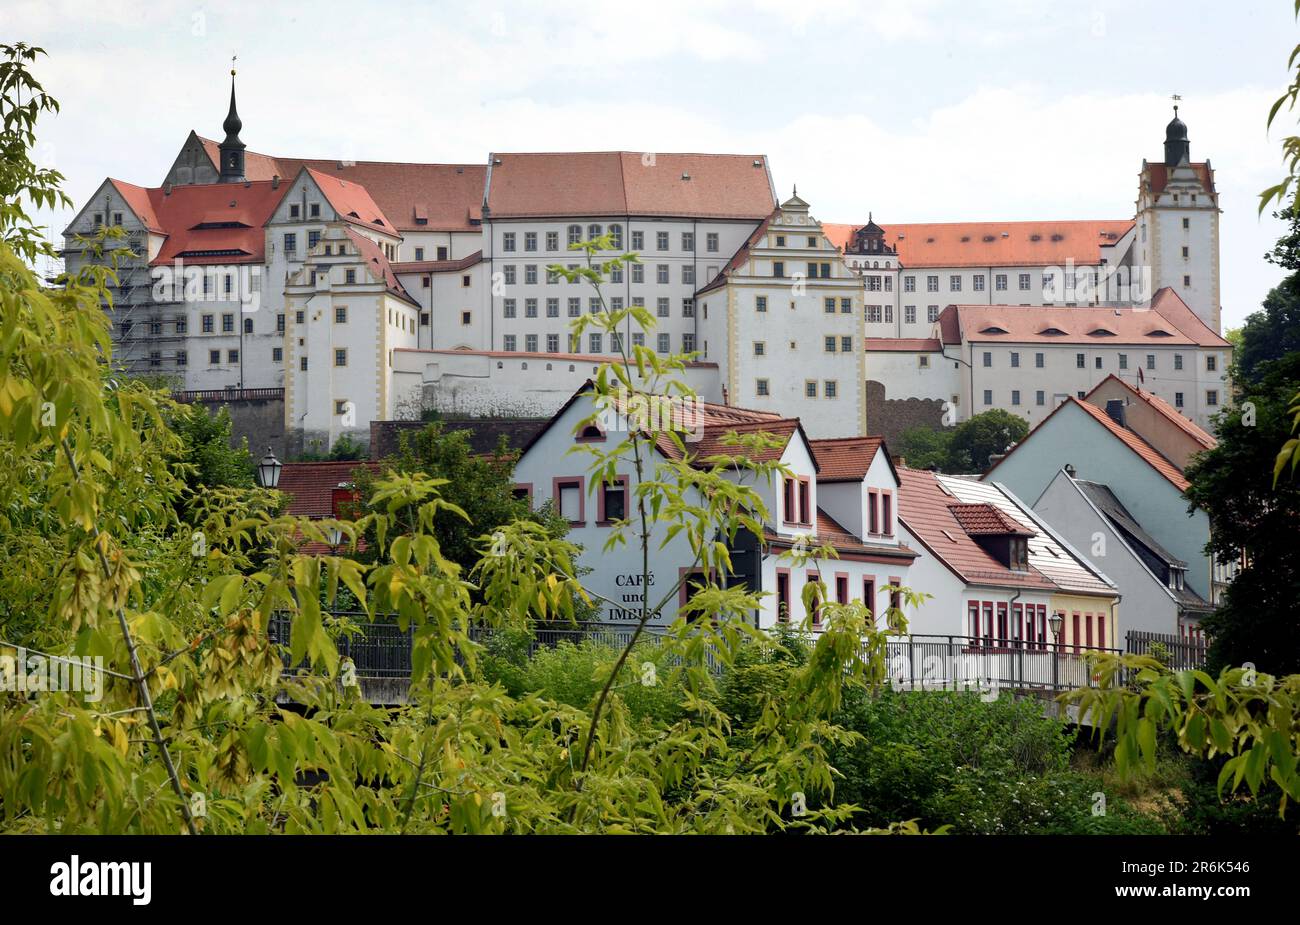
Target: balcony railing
217,395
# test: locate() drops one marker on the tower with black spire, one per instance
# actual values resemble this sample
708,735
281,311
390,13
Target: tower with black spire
232,149
1176,228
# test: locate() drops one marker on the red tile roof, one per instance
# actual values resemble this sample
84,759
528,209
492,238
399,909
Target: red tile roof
628,184
903,344
311,484
1163,408
926,510
1166,320
845,459
829,530
137,197
981,519
993,244
711,442
186,210
447,196
352,202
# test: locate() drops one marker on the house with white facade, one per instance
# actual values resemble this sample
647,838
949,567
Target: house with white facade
853,512
996,572
1028,359
1152,580
783,321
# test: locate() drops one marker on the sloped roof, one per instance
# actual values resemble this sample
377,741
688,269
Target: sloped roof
993,244
183,212
450,196
352,202
138,198
712,441
1165,321
983,519
903,345
845,459
1048,553
739,258
438,266
626,183
311,484
1135,443
829,531
1164,409
925,509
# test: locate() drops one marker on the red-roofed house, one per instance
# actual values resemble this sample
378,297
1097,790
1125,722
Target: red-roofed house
853,511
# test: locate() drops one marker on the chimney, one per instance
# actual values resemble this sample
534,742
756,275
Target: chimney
1070,470
275,182
1115,410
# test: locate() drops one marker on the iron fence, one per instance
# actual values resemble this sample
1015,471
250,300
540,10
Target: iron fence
381,649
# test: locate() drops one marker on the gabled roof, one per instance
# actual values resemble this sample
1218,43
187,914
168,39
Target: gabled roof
1049,553
379,265
448,197
713,440
352,202
994,244
628,184
925,507
847,459
1164,409
829,531
311,485
140,202
1166,320
1135,443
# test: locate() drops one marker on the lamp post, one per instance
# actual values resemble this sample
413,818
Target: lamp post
268,470
1055,622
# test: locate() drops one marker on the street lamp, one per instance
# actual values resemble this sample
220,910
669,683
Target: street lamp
268,470
1055,622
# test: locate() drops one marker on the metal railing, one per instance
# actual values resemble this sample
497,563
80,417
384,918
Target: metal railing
383,650
1176,652
220,395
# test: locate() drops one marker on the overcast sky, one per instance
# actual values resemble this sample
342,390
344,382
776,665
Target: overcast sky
911,109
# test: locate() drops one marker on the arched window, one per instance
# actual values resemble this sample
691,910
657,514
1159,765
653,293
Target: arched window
616,232
593,232
575,234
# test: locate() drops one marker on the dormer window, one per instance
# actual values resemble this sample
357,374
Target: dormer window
1018,558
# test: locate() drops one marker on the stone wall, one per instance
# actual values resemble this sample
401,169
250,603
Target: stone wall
891,417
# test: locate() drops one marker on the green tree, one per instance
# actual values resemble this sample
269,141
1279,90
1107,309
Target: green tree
975,440
1233,484
925,447
206,453
1269,334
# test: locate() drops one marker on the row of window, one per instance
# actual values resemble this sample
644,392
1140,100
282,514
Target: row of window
841,591
829,388
595,342
1002,624
1081,361
663,274
878,313
510,239
510,307
571,500
1040,398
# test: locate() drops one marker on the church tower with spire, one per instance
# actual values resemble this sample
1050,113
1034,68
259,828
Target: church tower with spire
232,149
1177,226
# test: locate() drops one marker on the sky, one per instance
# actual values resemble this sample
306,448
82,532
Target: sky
910,110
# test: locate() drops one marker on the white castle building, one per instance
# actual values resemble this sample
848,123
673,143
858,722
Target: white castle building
369,290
